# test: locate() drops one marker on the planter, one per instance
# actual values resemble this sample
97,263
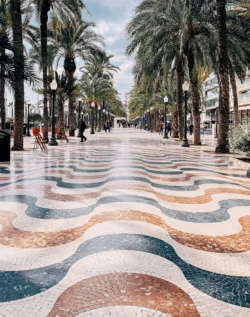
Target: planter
243,163
35,131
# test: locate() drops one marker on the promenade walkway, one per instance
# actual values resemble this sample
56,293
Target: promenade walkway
124,225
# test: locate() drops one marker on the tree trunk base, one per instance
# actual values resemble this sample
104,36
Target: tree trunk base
222,149
15,149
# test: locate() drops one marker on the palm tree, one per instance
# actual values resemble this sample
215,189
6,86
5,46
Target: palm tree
60,7
16,17
183,33
223,110
75,39
65,90
4,41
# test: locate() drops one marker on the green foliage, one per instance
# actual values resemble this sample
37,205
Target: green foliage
35,118
240,139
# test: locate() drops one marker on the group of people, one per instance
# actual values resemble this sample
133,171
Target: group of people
162,127
82,127
107,126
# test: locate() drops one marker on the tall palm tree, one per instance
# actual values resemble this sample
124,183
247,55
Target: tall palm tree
182,33
3,41
16,17
223,64
60,7
75,39
65,90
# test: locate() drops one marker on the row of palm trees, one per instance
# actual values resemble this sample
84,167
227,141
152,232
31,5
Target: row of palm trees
60,37
183,40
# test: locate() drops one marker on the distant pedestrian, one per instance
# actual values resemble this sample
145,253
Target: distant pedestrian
169,128
82,127
105,127
136,125
191,127
161,129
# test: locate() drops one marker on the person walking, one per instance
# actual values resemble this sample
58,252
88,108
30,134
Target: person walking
191,127
82,127
161,129
105,127
108,126
169,127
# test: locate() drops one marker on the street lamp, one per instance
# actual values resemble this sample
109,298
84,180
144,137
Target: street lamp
99,121
165,117
53,87
92,123
185,88
216,120
28,127
79,116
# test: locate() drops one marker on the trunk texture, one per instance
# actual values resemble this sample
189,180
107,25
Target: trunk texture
175,125
235,96
179,101
223,110
44,52
70,68
60,120
2,96
16,17
195,98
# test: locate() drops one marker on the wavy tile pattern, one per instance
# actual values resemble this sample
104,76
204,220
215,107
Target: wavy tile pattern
94,200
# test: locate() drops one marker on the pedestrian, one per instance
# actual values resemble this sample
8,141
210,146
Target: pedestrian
169,127
108,126
135,125
161,129
105,127
82,127
191,127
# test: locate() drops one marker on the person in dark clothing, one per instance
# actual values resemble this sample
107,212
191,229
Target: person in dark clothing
169,128
191,127
82,127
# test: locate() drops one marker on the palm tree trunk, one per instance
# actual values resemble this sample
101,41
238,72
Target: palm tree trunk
44,51
235,96
60,120
223,110
2,95
175,125
71,115
195,98
16,17
179,100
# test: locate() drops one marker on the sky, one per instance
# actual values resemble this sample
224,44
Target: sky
111,18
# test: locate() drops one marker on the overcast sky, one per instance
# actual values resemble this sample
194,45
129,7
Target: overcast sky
111,18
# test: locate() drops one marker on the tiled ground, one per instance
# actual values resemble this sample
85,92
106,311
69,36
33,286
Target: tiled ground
124,225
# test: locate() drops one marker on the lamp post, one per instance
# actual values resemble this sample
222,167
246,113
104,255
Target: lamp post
100,118
185,88
165,117
53,87
104,111
92,123
148,120
79,115
28,117
151,125
216,120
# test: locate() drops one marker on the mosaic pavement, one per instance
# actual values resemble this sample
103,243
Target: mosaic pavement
124,225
